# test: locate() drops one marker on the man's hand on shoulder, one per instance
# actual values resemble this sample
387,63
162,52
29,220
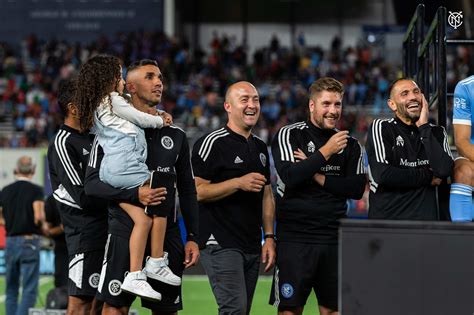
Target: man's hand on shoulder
167,118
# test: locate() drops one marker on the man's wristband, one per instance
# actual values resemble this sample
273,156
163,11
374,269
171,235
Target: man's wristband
191,238
269,236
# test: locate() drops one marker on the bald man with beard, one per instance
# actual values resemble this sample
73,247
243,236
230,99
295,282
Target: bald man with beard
232,175
408,157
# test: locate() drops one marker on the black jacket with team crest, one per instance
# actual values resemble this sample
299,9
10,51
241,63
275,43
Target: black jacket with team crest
84,217
402,162
306,211
167,150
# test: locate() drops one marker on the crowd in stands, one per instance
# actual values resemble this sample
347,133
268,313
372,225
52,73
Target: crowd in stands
195,81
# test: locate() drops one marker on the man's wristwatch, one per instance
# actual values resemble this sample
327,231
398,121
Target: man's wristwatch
269,236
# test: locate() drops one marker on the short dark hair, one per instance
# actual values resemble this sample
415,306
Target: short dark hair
66,90
326,84
141,63
392,85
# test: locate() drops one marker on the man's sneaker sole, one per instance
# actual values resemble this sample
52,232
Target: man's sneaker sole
141,296
154,277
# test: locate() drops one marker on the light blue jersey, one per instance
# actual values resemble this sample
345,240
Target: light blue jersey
463,105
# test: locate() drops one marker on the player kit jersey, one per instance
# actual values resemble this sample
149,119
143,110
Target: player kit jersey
307,212
402,162
236,220
84,217
168,151
463,106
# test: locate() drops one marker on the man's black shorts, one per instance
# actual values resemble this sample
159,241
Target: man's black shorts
301,267
84,273
117,263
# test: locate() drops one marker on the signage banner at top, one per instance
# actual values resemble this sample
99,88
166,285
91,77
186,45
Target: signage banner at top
77,20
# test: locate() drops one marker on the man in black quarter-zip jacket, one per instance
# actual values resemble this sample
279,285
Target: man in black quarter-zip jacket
319,168
408,158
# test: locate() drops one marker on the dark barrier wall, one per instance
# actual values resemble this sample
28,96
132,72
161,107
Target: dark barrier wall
77,20
410,268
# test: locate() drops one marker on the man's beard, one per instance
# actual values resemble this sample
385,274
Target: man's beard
403,110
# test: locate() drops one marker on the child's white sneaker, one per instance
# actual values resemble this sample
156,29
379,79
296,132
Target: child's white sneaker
157,268
135,283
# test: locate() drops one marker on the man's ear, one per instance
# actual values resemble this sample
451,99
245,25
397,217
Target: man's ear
130,87
72,110
311,105
227,107
392,105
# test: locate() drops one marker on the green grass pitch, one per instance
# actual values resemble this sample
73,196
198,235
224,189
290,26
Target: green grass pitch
197,297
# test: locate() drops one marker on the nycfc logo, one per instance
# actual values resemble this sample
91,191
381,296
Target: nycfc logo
311,147
400,141
94,280
263,159
167,142
115,287
455,19
287,290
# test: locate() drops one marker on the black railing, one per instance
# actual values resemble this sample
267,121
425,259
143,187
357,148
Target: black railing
432,58
411,42
425,60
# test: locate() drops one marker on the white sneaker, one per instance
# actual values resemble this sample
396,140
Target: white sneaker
157,268
135,283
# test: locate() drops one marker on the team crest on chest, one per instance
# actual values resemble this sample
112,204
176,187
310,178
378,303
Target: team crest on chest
167,142
263,159
311,147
